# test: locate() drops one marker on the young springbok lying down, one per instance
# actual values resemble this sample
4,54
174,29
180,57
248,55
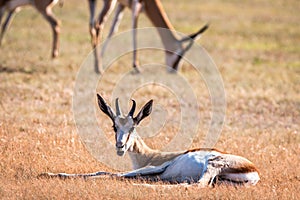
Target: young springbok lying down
203,166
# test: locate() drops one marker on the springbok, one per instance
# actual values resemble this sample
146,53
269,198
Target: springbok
174,48
203,166
43,6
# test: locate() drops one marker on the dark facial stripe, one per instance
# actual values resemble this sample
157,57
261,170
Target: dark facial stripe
129,133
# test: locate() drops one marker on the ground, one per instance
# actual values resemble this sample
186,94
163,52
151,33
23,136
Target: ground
256,47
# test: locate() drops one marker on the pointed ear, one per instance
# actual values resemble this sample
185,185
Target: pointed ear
145,112
195,36
105,108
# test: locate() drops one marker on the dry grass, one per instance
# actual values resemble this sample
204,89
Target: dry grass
256,47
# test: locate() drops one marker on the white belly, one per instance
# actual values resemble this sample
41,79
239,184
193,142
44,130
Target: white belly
189,167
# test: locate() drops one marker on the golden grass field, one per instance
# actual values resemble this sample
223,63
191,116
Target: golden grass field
256,46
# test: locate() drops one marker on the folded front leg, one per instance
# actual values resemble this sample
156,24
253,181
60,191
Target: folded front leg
148,172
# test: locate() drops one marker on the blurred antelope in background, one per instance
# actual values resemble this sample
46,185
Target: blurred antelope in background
203,166
43,6
174,48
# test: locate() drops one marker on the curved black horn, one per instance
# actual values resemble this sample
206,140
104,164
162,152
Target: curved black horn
118,110
131,112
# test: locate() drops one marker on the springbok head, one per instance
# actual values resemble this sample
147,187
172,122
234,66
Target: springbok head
124,126
173,58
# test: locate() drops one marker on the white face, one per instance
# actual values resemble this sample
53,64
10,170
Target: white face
124,128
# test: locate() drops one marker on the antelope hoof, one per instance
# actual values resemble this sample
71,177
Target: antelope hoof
47,175
171,70
55,54
136,71
97,67
98,70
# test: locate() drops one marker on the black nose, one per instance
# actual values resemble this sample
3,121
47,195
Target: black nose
119,145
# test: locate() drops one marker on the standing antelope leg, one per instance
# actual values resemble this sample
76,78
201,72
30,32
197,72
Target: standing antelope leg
92,7
44,7
105,12
136,10
114,26
5,24
48,15
92,28
99,25
2,10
